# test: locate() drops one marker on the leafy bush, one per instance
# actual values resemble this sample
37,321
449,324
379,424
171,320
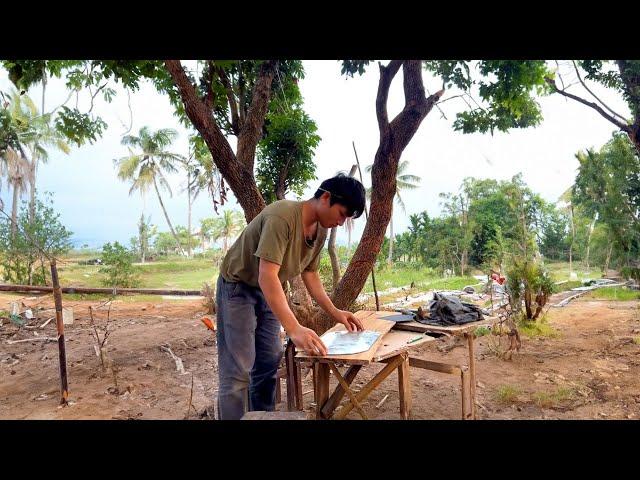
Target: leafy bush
118,266
24,251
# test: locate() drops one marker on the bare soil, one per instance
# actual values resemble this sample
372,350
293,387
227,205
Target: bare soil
589,370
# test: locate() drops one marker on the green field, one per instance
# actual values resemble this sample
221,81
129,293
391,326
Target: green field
179,273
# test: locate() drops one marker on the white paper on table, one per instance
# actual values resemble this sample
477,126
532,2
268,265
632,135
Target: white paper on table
346,343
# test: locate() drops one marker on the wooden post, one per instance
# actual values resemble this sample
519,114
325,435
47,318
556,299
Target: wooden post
339,392
472,373
297,383
404,387
322,387
291,380
463,391
57,297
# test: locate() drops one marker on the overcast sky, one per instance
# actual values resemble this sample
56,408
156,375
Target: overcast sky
96,206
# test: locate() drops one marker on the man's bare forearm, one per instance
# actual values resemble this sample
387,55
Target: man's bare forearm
276,299
314,286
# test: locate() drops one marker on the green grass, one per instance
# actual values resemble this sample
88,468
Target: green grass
423,278
103,297
548,400
507,393
614,293
188,274
568,285
482,331
636,340
560,270
537,328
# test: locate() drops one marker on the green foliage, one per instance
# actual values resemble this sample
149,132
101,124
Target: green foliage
528,281
118,266
631,273
225,227
482,331
608,185
164,243
25,254
285,155
538,328
79,127
351,67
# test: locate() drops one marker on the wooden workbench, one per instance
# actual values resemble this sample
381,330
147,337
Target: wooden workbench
467,372
393,349
390,348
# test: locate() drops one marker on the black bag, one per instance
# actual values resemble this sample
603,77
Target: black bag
449,310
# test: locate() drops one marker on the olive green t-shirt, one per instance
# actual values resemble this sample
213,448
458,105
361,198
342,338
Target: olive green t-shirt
275,234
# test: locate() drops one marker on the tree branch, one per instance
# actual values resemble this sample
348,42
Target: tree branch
209,96
593,94
233,105
239,177
386,77
596,107
251,129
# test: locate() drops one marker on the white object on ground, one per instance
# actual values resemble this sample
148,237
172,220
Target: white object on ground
67,315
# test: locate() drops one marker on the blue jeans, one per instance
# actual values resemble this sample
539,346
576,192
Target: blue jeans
249,350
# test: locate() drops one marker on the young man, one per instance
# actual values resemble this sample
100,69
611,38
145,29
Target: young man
282,241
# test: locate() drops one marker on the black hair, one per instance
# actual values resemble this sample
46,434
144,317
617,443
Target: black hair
346,191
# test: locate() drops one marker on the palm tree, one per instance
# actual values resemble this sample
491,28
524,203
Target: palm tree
403,182
17,169
148,167
27,130
202,174
227,226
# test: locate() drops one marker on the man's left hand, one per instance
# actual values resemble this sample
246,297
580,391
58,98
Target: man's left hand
349,320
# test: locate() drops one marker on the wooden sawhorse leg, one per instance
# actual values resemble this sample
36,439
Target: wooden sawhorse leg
294,379
404,388
391,364
461,371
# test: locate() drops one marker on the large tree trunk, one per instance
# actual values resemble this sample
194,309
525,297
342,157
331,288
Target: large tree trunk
143,239
630,77
14,210
390,257
237,169
335,264
189,219
164,210
32,184
394,137
300,302
573,237
591,227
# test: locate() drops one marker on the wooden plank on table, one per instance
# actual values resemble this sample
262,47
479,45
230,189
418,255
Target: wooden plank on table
396,341
369,322
435,366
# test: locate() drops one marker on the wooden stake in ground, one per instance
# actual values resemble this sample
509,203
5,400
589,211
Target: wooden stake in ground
57,297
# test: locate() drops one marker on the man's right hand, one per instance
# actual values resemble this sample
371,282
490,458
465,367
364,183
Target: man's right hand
306,339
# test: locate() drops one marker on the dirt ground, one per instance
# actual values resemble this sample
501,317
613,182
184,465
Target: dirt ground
589,371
